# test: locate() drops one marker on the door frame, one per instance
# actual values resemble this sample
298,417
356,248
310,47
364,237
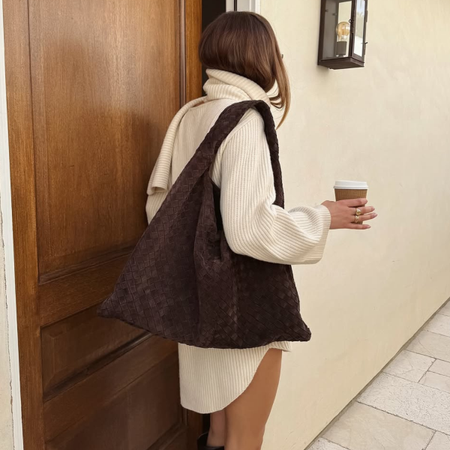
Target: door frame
7,234
244,5
18,203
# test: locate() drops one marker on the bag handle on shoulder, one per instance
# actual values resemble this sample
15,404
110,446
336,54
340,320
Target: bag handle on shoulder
226,122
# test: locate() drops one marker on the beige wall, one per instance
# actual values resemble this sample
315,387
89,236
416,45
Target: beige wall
388,124
6,433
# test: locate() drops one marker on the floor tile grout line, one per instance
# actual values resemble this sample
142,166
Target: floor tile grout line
333,421
419,382
398,354
354,399
400,417
415,382
435,332
421,354
424,328
346,448
442,360
437,373
429,442
328,440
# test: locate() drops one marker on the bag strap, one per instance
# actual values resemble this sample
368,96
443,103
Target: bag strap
227,121
202,159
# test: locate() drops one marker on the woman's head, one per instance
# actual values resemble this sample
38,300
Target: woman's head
244,43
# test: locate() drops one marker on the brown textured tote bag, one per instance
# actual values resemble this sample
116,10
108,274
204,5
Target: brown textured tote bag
183,282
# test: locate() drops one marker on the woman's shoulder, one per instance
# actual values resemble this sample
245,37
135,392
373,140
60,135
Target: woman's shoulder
250,126
251,122
247,138
210,111
213,109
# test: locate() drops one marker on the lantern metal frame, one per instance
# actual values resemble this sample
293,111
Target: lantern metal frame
352,60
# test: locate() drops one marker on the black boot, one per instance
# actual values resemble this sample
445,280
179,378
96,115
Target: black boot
202,443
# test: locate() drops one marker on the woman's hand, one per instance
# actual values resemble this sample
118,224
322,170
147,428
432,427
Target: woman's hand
343,213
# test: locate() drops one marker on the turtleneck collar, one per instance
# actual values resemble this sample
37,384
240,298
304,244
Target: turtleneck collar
225,84
220,84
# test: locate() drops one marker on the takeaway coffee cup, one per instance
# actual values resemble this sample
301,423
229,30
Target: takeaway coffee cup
346,189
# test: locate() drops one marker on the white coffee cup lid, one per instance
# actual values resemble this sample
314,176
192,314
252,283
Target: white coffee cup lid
348,184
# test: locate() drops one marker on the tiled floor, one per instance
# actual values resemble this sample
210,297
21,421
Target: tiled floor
407,405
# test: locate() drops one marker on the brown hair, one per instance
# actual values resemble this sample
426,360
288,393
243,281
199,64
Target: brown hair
244,42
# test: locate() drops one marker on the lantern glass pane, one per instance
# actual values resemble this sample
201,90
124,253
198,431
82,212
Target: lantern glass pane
342,32
336,30
358,47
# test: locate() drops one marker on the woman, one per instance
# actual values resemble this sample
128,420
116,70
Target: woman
243,61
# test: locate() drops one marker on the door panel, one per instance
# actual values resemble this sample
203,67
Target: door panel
91,90
72,345
67,295
128,420
85,398
100,112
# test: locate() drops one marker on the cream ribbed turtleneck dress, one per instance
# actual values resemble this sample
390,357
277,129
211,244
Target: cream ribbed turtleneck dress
210,379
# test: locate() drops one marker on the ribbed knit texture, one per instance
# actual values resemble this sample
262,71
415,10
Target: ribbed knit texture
210,379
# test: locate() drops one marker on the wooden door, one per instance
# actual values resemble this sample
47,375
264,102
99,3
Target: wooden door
91,88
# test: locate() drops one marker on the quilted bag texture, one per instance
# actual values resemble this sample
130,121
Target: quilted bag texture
183,282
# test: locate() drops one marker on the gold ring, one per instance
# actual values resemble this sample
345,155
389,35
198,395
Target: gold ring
356,219
358,212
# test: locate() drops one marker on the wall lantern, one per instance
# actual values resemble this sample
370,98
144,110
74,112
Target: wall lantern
342,42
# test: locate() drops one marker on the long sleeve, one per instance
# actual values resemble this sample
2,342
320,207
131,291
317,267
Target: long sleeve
253,225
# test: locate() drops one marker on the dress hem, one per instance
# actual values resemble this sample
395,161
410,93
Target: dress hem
234,396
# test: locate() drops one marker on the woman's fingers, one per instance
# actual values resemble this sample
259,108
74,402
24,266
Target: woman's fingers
358,226
364,217
363,209
343,213
354,202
